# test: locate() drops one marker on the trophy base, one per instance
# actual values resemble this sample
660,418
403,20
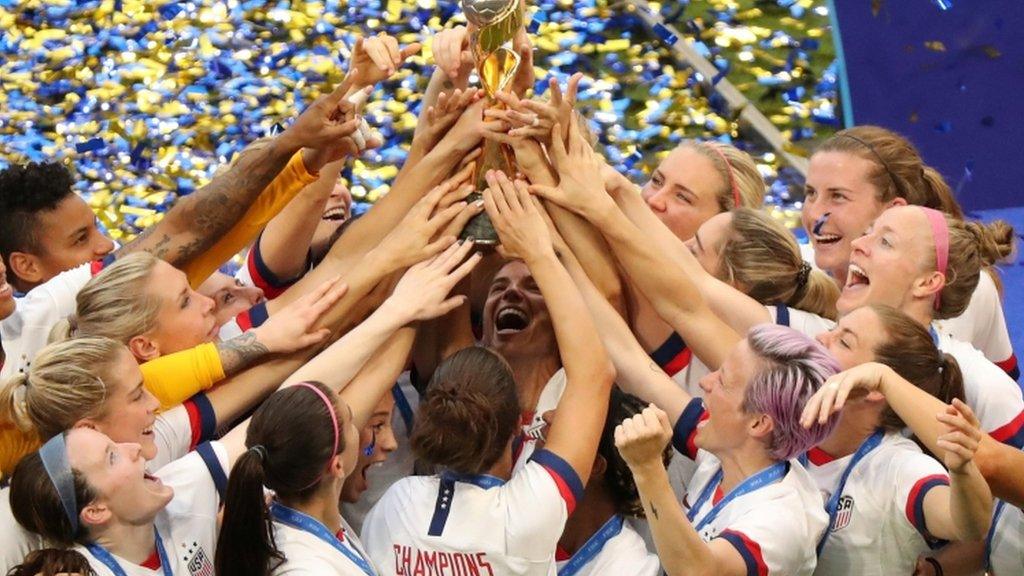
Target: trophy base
480,228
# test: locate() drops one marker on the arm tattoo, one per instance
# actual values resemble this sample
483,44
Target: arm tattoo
240,352
654,511
196,222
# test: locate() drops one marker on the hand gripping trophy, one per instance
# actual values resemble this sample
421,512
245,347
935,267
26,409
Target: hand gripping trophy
496,23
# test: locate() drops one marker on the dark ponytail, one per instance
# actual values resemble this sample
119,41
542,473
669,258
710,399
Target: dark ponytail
952,385
290,441
910,351
469,412
246,544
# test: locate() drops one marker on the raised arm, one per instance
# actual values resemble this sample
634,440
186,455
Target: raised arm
531,123
421,294
196,221
665,284
284,243
636,373
575,433
930,420
641,440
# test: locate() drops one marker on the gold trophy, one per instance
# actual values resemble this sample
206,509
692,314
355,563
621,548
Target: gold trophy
497,62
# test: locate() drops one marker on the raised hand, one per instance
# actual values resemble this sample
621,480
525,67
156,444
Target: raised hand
293,327
426,229
449,108
535,119
580,188
452,54
961,441
422,293
516,216
326,122
525,75
832,396
377,58
641,440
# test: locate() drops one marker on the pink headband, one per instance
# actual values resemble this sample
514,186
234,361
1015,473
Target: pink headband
940,233
732,178
334,421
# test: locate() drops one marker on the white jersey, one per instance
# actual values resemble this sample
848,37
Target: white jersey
1005,542
624,553
995,398
307,555
533,421
988,390
434,525
399,464
983,325
188,525
176,432
807,323
181,429
27,330
15,541
775,528
879,525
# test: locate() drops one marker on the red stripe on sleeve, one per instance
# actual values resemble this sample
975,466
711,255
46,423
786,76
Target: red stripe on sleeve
915,501
749,550
679,363
1010,433
195,422
563,489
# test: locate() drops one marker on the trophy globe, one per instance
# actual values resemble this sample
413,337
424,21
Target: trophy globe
485,12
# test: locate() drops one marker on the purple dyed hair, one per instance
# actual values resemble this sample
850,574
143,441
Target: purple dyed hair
793,368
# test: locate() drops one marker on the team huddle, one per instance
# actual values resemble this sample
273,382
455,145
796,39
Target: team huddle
635,381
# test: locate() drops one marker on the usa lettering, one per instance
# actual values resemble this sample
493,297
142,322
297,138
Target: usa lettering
415,562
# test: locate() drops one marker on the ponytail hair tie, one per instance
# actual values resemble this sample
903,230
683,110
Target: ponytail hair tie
803,275
260,452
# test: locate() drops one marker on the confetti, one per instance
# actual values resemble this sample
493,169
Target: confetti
145,99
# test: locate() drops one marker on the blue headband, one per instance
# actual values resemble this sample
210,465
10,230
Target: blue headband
54,455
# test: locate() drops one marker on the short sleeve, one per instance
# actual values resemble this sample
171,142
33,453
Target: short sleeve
538,501
983,324
915,475
685,430
673,356
263,277
770,540
198,479
180,430
994,397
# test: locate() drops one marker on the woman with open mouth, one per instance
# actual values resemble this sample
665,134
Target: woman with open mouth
111,505
860,172
478,514
915,259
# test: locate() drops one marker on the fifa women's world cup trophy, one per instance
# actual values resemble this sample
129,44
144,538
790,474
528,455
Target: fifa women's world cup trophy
494,25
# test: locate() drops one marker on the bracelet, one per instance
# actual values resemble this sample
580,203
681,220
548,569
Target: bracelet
935,564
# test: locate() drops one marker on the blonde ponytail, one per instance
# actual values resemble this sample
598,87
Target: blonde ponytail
13,407
65,383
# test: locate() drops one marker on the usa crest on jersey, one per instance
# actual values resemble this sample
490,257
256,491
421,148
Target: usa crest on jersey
844,511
